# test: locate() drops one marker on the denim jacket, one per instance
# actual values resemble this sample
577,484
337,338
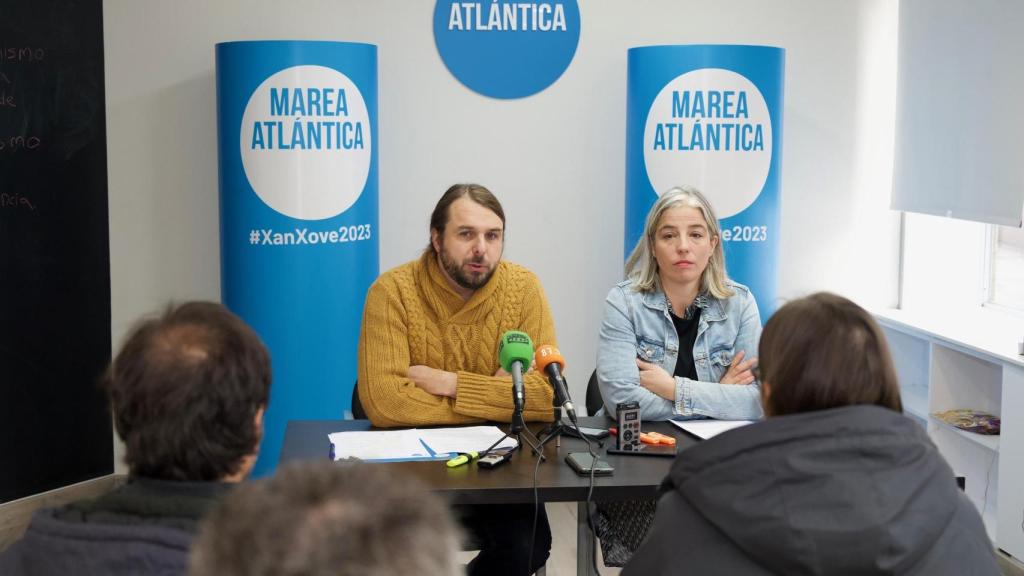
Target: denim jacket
637,325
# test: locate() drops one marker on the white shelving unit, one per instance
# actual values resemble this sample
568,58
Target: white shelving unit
970,361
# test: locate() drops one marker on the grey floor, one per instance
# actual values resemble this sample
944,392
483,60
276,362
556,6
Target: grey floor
562,562
1009,566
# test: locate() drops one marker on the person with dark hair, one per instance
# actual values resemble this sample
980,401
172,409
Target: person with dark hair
325,518
835,481
428,353
187,391
428,350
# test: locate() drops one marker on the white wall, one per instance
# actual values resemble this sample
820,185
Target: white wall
556,159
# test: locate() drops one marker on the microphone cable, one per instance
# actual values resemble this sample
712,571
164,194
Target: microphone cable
536,512
590,495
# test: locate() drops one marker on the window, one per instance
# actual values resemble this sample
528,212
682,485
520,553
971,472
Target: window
1006,285
944,264
951,265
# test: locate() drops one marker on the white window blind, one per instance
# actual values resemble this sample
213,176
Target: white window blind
960,110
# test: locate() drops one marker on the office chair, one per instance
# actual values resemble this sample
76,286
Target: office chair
594,401
357,407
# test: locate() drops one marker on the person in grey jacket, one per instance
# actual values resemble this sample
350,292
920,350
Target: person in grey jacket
678,336
835,481
187,391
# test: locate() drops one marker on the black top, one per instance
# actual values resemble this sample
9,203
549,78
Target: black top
169,503
686,328
144,527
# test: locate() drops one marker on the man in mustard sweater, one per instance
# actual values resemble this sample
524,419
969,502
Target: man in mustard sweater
428,353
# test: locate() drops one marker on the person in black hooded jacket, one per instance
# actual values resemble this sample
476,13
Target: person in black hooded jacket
835,481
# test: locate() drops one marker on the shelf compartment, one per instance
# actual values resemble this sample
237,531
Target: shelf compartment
990,442
915,401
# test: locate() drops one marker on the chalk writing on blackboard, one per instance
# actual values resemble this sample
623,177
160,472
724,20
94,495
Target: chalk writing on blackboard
15,143
21,54
9,201
6,95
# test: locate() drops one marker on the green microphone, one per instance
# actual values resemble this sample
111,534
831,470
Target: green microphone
515,351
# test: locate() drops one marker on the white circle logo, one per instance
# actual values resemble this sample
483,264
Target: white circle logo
305,142
710,129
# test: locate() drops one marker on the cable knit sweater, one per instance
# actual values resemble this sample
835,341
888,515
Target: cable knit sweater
413,317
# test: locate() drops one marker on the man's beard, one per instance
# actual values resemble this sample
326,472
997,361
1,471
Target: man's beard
467,281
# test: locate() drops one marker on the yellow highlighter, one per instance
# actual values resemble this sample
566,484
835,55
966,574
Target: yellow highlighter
463,458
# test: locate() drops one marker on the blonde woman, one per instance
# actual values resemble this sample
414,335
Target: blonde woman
678,336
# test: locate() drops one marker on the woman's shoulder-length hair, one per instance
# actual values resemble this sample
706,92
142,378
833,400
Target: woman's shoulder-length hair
641,266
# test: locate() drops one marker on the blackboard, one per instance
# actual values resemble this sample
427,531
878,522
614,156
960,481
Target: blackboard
55,428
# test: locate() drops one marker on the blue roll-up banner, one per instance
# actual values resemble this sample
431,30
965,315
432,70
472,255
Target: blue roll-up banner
297,126
710,116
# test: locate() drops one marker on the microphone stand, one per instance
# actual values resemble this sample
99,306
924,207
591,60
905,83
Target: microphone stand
555,430
518,424
557,427
518,428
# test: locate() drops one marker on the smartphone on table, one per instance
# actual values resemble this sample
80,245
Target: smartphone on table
583,462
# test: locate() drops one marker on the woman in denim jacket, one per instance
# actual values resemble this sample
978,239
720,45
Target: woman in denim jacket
678,336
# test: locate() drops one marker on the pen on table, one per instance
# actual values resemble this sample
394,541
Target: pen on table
463,458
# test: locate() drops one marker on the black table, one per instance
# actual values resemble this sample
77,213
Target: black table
635,477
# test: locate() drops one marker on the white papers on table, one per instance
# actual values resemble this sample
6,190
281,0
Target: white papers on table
705,429
469,439
415,443
378,445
